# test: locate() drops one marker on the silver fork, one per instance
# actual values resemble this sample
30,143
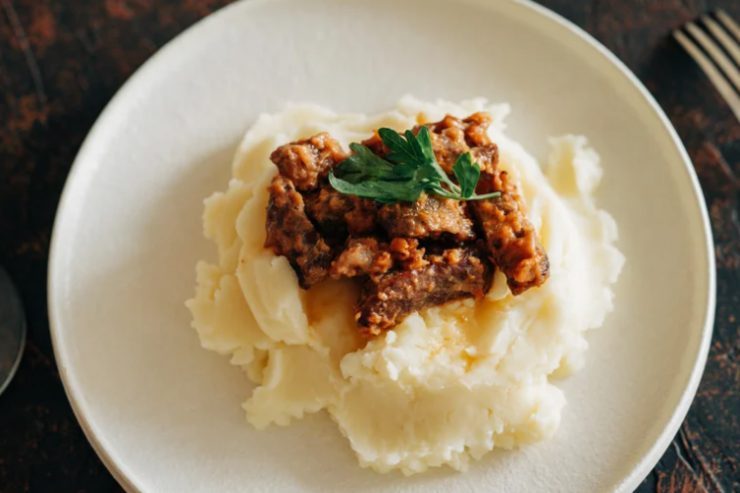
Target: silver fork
714,44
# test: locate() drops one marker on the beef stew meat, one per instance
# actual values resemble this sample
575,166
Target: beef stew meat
406,256
370,257
452,136
429,217
307,161
291,234
387,299
513,245
362,256
337,214
511,239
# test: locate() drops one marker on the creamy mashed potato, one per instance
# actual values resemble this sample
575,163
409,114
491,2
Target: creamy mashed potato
450,382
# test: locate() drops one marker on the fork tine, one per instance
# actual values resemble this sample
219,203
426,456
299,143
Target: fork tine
715,53
724,87
728,23
729,44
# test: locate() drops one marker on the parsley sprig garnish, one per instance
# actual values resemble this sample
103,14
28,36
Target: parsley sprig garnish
410,169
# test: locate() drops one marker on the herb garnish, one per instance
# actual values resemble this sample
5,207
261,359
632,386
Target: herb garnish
409,170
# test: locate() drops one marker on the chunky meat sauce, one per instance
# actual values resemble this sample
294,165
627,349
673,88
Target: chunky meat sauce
406,256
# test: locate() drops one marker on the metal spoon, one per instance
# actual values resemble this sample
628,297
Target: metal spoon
12,329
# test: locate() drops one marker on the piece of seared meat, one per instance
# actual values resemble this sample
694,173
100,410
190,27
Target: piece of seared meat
453,136
512,242
305,162
407,254
290,233
511,239
429,217
362,256
338,214
370,257
385,300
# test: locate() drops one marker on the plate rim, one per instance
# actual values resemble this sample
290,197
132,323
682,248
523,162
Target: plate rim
643,465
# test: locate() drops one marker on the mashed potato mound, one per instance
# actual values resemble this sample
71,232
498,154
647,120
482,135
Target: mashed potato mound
450,382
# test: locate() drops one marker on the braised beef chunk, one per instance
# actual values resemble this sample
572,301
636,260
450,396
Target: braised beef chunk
448,141
387,299
476,129
407,254
512,242
428,217
452,137
306,161
291,234
486,156
511,239
337,214
362,256
368,256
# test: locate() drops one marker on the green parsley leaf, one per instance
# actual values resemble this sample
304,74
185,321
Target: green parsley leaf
401,150
467,173
382,191
409,170
364,165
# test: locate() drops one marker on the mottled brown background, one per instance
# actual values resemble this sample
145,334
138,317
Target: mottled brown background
60,63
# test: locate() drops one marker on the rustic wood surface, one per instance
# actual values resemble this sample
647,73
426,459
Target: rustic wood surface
60,63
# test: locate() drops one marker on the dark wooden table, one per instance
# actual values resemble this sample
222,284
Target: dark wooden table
60,63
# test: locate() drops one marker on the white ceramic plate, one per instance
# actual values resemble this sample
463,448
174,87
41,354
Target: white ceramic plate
165,415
